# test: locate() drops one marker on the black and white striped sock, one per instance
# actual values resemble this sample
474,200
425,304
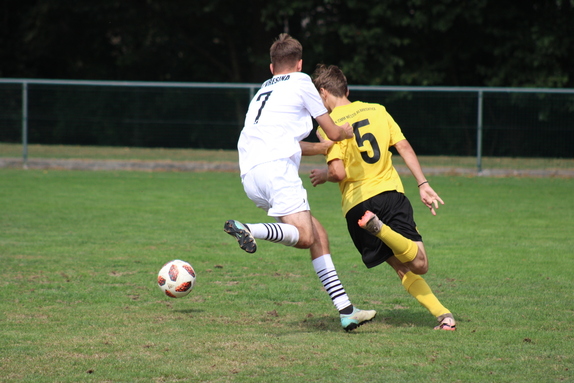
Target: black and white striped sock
328,276
282,233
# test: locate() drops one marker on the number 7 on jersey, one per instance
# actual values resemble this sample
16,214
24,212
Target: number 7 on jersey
265,97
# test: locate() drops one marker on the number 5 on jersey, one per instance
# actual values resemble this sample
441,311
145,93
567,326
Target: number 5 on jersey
366,137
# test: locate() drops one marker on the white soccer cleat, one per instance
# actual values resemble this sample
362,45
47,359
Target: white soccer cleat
357,318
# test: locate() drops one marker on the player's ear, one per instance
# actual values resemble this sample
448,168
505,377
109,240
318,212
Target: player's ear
300,65
347,94
271,68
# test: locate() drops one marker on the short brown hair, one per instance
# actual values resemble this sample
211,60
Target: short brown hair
285,52
331,79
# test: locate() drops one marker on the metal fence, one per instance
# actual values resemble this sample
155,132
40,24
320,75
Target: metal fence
494,122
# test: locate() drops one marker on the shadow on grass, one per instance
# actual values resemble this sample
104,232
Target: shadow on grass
407,318
395,318
190,311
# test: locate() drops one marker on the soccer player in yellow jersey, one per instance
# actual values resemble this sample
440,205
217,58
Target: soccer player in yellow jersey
379,215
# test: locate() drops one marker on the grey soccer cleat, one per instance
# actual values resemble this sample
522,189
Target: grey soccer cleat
371,222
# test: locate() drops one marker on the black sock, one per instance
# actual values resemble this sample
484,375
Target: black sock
347,310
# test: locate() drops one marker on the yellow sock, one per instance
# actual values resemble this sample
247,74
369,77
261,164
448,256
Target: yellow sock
403,248
418,288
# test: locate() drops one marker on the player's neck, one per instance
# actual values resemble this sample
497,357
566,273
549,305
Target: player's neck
284,72
295,68
335,102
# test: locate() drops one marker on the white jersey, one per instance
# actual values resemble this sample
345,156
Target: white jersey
279,116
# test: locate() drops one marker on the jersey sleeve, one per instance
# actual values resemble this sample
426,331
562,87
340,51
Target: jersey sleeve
311,98
395,130
335,152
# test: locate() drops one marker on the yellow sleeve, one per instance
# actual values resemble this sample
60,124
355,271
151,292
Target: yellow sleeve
335,152
396,133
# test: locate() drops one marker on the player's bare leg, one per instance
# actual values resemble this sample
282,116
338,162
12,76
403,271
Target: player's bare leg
419,265
304,223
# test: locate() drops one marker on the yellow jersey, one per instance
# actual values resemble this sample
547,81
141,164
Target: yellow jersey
367,158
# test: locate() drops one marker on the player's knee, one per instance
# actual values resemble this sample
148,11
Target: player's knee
420,264
304,243
422,270
419,267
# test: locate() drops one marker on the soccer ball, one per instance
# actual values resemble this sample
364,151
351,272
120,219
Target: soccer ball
176,278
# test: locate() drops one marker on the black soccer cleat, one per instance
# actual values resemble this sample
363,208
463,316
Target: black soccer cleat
242,234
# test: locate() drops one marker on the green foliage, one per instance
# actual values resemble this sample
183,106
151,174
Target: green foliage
153,40
78,302
414,42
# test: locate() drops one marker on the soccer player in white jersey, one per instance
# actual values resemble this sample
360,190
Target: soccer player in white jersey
279,116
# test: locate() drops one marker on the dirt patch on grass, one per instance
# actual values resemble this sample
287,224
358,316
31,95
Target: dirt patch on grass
226,166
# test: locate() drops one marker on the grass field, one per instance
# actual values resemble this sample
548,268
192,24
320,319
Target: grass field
80,253
162,154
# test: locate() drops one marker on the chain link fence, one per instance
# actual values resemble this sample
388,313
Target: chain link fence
494,122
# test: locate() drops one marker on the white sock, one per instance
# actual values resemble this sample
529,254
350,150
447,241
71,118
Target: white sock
326,272
283,233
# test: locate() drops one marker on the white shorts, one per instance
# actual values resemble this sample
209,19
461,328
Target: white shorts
276,188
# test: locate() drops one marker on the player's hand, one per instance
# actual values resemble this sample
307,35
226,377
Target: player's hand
325,142
318,176
348,130
430,198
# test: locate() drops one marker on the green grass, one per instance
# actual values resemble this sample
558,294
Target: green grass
160,154
80,253
117,153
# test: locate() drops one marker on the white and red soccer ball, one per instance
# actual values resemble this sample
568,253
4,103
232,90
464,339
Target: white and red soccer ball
176,278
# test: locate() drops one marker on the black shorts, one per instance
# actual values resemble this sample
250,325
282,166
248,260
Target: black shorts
396,211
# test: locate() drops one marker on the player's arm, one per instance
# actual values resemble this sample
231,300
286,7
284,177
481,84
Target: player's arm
333,131
408,154
316,148
428,196
334,173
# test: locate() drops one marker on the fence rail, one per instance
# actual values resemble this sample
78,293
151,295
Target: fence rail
461,121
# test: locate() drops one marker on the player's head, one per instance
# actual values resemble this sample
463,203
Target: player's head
286,54
331,79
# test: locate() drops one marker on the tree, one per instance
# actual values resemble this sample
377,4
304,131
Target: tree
400,42
443,42
210,41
